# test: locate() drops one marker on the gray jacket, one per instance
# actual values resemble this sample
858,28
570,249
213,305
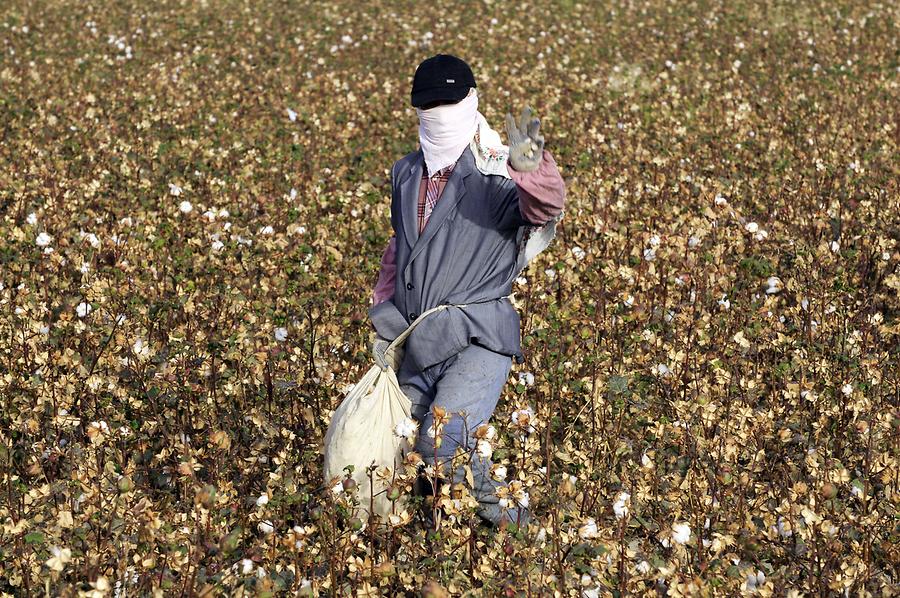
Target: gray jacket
466,254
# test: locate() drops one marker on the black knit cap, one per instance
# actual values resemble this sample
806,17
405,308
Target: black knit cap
441,78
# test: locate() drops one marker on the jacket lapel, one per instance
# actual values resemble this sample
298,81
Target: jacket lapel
409,199
453,192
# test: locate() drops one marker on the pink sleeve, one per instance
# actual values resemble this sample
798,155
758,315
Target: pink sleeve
384,288
542,192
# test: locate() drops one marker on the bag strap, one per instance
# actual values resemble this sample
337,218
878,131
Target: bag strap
403,335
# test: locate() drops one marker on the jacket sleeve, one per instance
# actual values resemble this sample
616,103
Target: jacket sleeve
530,198
384,288
541,192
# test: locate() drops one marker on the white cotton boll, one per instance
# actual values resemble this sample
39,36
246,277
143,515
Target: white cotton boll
246,566
620,507
835,246
266,527
751,227
654,241
185,207
643,567
32,219
209,215
649,254
661,369
484,449
92,240
526,378
83,309
338,487
140,348
724,303
174,189
293,194
588,529
266,230
85,267
406,428
578,253
755,580
43,240
720,200
522,499
681,533
281,334
550,273
693,241
522,417
217,245
499,472
847,389
629,301
292,115
774,285
262,500
646,461
782,529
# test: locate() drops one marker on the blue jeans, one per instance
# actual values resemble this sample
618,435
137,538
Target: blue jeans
468,386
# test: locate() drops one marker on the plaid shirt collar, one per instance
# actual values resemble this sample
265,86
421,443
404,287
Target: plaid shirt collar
443,173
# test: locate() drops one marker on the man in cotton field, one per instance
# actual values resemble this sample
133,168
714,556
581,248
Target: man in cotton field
461,208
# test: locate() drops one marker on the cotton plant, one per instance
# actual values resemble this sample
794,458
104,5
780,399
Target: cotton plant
589,530
440,418
485,435
621,505
407,429
523,419
513,495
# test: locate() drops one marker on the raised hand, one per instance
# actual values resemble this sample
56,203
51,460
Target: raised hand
526,144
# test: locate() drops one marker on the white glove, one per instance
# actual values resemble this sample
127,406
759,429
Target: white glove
526,144
384,356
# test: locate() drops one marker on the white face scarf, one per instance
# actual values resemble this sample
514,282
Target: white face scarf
446,130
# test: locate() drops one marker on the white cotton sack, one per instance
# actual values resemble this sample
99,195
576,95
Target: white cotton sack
361,433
